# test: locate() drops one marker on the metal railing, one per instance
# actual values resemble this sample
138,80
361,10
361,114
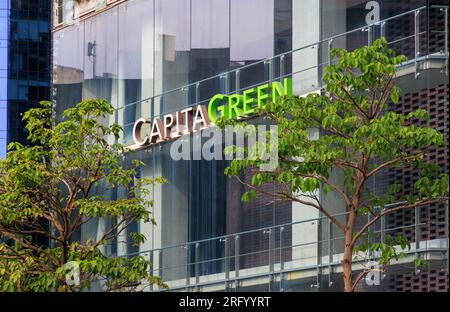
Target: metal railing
274,251
413,44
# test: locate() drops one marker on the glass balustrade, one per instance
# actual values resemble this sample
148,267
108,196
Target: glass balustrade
268,259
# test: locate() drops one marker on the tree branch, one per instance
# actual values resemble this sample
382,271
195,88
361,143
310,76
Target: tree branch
350,97
358,278
392,162
422,202
293,198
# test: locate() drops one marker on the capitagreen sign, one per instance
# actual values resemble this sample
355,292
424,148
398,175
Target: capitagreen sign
170,126
191,119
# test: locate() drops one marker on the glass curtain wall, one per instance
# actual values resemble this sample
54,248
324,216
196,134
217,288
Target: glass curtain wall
140,54
68,66
142,48
24,62
146,57
135,62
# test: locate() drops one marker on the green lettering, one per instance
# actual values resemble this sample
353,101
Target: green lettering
213,106
247,101
234,106
243,105
279,90
262,95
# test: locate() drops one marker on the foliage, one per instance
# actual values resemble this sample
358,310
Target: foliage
70,175
360,138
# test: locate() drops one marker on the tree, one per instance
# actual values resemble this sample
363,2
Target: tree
50,189
360,139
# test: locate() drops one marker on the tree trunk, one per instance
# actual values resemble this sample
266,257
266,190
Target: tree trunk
348,248
64,253
347,263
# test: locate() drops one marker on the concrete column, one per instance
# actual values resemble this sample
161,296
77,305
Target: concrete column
305,31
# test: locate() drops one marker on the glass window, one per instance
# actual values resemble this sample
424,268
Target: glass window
101,56
135,51
68,65
4,4
210,53
65,11
172,48
136,45
210,24
252,29
3,120
3,58
3,88
3,148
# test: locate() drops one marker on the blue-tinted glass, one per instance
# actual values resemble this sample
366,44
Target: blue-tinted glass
3,58
4,4
3,122
24,61
2,148
3,88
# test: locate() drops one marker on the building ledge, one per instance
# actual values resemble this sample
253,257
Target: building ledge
300,269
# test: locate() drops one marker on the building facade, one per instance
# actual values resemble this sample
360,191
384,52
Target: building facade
25,50
154,57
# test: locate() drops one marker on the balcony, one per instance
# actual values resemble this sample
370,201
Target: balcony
277,263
